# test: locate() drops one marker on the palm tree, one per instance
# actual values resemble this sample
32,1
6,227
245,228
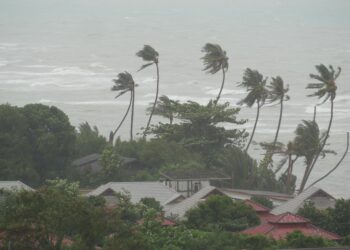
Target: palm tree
123,84
215,59
255,83
277,93
326,89
165,107
309,143
150,55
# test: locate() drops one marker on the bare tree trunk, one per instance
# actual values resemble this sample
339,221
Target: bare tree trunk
112,134
279,123
132,115
256,122
155,102
222,86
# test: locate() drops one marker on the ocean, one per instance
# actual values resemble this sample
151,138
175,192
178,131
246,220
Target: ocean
66,53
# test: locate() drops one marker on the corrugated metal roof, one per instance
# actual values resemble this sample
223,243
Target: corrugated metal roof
139,190
269,194
181,208
294,204
14,185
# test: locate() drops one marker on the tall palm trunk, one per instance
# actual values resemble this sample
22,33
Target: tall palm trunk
155,100
111,138
279,123
256,122
309,169
222,85
132,114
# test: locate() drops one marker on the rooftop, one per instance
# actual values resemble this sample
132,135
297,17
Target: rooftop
193,174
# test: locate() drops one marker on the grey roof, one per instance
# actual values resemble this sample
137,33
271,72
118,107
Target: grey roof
86,159
14,186
182,207
139,190
269,194
193,174
294,204
96,157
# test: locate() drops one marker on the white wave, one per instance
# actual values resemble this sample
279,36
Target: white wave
8,45
63,71
3,63
39,66
98,65
212,91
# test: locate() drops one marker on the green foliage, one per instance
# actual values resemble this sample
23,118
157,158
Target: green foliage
43,219
89,140
221,213
335,219
36,143
151,203
263,201
299,240
202,128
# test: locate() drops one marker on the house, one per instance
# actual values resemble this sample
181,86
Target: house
279,226
137,191
244,194
319,197
179,209
262,211
189,181
91,163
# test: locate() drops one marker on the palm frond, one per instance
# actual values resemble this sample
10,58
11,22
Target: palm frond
148,53
215,58
144,66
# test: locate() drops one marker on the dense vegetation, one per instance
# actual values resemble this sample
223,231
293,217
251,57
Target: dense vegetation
57,217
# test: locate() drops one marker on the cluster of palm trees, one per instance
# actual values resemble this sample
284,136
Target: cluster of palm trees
308,143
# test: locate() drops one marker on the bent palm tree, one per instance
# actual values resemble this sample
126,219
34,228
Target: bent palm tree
326,88
165,107
123,84
255,84
277,93
309,144
215,59
150,55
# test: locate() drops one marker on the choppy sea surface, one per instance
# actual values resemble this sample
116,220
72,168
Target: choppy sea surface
66,52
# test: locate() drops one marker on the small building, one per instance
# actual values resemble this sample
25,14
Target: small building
279,226
189,181
137,191
91,163
318,196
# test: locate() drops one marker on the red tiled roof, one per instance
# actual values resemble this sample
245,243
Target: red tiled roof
256,206
288,218
281,225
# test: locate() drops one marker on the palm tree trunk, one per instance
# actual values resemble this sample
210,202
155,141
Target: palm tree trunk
111,138
279,123
222,85
155,101
309,170
256,122
336,166
132,114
